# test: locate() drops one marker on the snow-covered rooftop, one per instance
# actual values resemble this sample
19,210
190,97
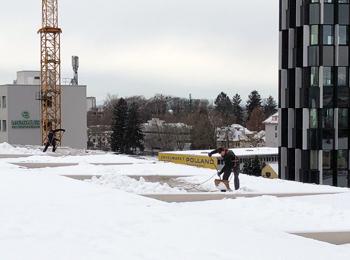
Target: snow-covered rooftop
237,151
47,216
272,119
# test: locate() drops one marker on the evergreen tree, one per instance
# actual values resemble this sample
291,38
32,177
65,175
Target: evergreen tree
247,167
237,109
133,134
223,106
254,101
269,106
256,167
120,110
252,167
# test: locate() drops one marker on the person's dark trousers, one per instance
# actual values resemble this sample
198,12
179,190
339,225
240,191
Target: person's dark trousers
54,146
46,146
236,179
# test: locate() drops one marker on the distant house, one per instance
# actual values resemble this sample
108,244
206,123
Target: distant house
99,137
237,136
162,136
270,171
271,131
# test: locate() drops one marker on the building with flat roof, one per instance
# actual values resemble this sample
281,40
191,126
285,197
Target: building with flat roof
20,112
314,91
271,131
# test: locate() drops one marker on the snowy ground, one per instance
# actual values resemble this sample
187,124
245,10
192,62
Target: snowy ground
47,216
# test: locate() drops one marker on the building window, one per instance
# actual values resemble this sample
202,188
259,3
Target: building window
3,101
343,1
314,35
313,160
314,12
276,127
327,160
342,159
343,36
328,76
328,35
313,118
343,118
343,76
4,126
328,121
314,76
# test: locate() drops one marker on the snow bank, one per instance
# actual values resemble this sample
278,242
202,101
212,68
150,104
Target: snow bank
132,185
6,148
51,217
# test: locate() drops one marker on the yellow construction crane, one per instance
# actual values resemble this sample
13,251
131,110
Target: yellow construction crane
50,91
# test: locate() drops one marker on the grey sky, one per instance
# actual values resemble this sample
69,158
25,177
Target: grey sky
143,47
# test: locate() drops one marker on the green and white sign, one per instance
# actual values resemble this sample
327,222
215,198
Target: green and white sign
25,122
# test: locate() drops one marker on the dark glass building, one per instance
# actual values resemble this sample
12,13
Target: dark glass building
314,91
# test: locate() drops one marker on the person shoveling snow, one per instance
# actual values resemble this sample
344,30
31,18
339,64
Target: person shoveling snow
52,140
231,165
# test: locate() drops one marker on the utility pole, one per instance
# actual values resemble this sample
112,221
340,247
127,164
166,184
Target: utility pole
50,89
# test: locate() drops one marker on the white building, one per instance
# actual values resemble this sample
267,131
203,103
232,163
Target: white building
271,131
237,136
20,112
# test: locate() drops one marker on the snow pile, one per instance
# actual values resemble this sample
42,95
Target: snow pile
132,185
6,148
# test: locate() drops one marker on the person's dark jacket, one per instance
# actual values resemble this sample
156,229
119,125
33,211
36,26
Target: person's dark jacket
229,159
52,134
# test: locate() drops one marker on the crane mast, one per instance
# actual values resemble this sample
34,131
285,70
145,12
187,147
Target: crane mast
50,88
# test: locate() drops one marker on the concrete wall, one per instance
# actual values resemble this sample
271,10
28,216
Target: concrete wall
3,114
271,135
28,78
20,99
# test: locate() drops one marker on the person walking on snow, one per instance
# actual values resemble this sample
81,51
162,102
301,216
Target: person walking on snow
231,164
51,139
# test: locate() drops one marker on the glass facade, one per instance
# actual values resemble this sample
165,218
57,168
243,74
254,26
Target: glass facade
314,91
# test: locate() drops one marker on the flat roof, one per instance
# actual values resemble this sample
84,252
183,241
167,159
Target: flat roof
238,151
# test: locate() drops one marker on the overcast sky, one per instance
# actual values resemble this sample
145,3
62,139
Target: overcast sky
144,47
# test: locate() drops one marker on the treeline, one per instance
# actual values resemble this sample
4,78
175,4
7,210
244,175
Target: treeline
204,116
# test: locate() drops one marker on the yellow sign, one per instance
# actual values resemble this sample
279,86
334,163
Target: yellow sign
187,159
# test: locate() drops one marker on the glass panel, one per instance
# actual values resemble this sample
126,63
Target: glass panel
315,13
342,178
328,34
342,159
342,96
314,77
314,56
343,76
313,160
328,96
343,139
343,1
327,121
329,13
343,55
327,160
343,36
343,13
328,76
343,118
327,139
314,35
313,118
